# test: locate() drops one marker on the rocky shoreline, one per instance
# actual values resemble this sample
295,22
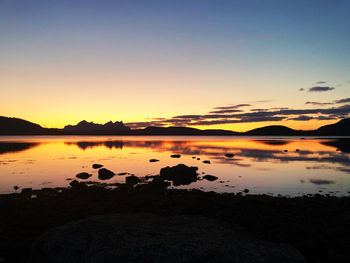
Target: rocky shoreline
318,226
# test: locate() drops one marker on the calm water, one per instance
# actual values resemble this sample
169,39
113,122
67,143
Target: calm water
263,165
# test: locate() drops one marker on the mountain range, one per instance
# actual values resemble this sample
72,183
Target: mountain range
15,126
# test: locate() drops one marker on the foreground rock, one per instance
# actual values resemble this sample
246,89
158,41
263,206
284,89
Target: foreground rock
105,174
132,180
179,174
153,238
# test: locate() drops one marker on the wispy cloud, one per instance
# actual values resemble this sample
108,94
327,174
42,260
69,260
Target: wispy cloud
321,82
320,88
343,100
319,103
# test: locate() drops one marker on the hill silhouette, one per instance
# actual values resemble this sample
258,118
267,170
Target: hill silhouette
341,128
273,130
16,126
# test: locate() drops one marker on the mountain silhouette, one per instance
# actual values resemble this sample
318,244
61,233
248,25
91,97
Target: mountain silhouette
85,127
15,126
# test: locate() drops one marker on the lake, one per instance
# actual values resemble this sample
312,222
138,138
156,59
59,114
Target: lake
264,165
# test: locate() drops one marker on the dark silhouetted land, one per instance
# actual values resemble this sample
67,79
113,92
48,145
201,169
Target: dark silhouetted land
15,126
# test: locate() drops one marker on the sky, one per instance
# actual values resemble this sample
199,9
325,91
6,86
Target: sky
219,64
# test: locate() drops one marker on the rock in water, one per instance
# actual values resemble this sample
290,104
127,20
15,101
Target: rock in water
229,155
175,156
105,174
179,174
83,175
97,166
206,161
153,238
153,160
210,177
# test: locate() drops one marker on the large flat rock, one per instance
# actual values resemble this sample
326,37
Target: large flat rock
154,238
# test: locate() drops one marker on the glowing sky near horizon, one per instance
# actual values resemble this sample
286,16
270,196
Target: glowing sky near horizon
65,61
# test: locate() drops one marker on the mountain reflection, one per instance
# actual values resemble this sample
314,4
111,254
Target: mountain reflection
261,151
8,147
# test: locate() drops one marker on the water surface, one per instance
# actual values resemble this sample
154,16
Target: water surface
270,165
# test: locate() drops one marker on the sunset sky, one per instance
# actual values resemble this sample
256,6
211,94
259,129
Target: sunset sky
206,64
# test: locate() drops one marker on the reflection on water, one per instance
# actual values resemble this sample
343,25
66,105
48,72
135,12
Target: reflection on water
287,166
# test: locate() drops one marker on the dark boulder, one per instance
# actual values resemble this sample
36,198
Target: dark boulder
206,161
122,173
229,155
210,177
158,239
97,166
16,187
179,174
132,180
153,160
83,175
175,156
105,174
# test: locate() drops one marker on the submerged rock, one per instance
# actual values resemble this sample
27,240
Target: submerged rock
122,173
97,166
153,160
153,238
175,156
179,174
105,174
210,177
229,155
206,161
83,175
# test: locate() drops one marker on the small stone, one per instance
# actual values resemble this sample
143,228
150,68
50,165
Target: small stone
206,161
153,160
175,156
16,187
229,155
210,177
97,166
